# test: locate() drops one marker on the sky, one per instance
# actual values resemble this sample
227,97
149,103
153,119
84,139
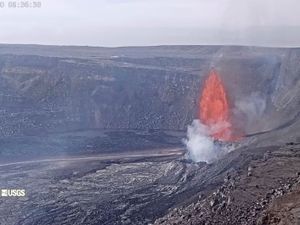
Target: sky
153,22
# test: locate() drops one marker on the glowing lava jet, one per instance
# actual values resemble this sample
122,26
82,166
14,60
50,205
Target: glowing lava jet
214,108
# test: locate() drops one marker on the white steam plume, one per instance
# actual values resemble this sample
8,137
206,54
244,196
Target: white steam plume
252,108
200,145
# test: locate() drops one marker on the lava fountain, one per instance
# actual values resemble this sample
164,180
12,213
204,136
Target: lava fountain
214,108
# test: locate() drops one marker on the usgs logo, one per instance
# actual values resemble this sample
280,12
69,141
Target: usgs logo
13,192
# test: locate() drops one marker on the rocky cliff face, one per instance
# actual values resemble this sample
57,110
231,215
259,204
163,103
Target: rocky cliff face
47,89
41,94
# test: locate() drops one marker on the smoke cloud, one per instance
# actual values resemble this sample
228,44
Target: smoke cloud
253,105
200,144
252,108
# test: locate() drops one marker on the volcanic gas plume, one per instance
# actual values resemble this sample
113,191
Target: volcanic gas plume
214,108
213,123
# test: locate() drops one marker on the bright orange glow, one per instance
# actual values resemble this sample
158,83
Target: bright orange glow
214,108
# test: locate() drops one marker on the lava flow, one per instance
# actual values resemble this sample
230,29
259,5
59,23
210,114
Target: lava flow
214,108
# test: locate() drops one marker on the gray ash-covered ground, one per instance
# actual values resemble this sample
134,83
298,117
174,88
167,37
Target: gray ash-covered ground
250,193
124,188
244,187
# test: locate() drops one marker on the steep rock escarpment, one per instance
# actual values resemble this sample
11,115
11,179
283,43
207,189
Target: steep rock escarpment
56,89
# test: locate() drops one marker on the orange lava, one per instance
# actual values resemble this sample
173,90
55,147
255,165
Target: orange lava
214,108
